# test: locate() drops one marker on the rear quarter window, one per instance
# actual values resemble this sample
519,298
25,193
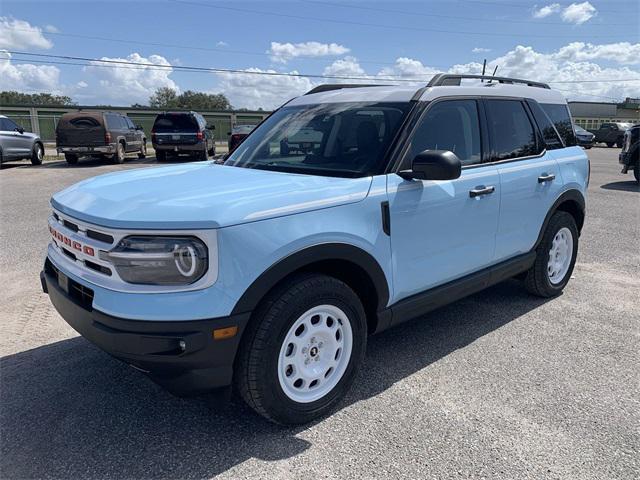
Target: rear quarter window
561,118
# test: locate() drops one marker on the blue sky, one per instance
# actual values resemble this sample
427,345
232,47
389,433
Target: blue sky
550,41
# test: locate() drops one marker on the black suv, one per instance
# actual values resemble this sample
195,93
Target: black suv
176,133
611,133
630,154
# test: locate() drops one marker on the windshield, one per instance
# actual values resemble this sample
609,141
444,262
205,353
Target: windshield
580,129
336,139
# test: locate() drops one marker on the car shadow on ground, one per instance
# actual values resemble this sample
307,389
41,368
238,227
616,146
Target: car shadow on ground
69,410
90,162
628,186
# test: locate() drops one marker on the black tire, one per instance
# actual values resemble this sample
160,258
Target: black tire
143,150
71,158
37,154
202,156
212,150
118,157
636,173
588,147
161,156
256,374
610,144
619,143
537,280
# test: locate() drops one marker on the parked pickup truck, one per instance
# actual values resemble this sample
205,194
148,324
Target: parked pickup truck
107,134
611,133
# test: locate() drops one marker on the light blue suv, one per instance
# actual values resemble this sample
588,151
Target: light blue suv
349,210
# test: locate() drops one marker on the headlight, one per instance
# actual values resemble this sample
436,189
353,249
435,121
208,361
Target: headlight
159,260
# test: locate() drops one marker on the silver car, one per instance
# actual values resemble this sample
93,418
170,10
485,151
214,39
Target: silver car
16,144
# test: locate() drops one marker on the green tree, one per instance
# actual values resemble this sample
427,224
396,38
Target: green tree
18,98
167,98
164,97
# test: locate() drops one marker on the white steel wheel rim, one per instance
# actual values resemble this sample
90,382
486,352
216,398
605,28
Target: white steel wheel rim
39,152
560,255
315,353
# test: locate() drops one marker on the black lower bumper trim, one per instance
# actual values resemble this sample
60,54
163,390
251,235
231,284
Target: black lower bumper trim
182,356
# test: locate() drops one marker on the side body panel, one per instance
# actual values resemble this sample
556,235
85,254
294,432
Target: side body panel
525,202
438,232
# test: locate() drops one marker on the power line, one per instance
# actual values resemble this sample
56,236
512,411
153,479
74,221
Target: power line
100,63
378,25
453,17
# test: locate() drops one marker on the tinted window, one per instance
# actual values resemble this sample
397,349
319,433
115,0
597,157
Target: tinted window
511,130
129,122
115,122
175,122
451,125
549,134
559,115
7,125
332,139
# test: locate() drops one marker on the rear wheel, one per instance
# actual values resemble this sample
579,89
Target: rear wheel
212,150
202,156
610,144
302,349
37,154
555,257
71,158
161,156
143,150
119,155
619,143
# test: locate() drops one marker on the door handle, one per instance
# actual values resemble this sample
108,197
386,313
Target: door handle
546,177
481,190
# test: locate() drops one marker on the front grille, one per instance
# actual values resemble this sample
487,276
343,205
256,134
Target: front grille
82,295
70,226
69,254
101,237
97,268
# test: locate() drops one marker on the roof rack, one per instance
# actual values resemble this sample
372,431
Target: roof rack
454,79
337,86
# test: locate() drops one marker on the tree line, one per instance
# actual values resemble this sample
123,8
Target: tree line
164,98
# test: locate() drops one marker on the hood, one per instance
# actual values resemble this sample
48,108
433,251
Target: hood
201,195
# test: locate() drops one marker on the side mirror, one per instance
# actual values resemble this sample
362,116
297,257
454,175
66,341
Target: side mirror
228,133
434,165
20,130
139,127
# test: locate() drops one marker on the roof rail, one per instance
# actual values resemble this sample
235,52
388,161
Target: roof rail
337,86
447,79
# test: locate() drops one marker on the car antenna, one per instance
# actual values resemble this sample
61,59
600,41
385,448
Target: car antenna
484,67
494,72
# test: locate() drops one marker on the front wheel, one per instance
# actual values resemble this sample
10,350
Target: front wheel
37,154
636,173
610,144
555,257
302,349
143,150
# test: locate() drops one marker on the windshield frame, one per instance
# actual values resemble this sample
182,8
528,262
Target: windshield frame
380,164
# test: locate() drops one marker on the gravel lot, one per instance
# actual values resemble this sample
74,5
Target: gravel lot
499,385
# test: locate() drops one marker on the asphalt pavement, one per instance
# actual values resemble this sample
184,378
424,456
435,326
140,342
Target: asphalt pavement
501,385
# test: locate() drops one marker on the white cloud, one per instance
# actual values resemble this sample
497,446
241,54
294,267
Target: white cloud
222,44
247,90
409,69
480,50
624,53
546,10
283,52
27,77
570,64
345,67
51,29
578,13
18,34
124,85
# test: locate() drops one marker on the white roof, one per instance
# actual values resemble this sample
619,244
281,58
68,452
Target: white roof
395,93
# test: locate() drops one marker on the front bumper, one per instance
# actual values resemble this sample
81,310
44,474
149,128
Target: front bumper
585,142
181,356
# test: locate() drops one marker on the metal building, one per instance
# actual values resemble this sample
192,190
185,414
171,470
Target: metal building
590,115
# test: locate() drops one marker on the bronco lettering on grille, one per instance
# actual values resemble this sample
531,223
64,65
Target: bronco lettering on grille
87,250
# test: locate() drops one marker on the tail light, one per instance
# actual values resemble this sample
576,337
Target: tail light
199,135
107,137
153,136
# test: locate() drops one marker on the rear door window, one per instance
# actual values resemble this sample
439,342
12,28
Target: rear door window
175,123
511,130
561,118
115,122
449,125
